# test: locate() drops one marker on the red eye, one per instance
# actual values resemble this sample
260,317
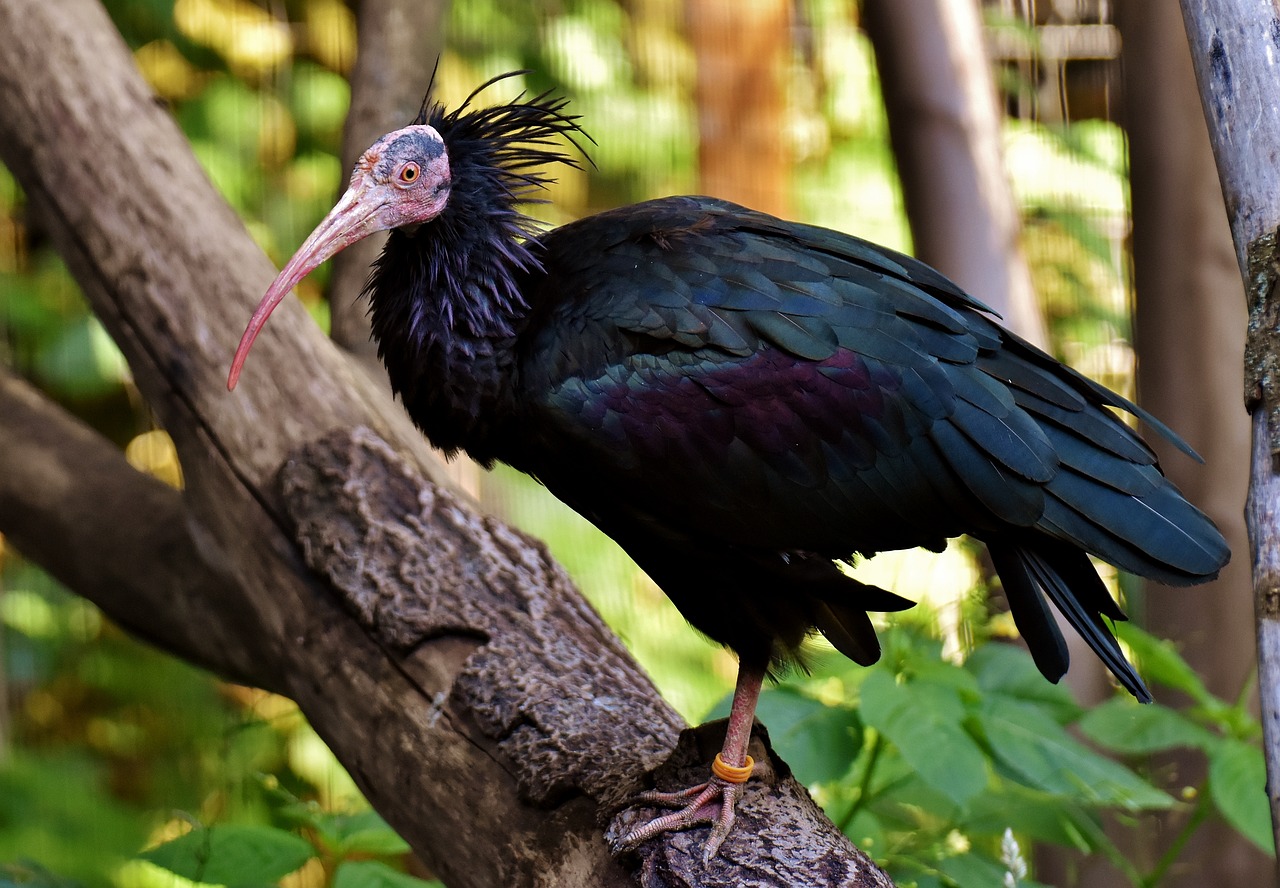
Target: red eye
409,173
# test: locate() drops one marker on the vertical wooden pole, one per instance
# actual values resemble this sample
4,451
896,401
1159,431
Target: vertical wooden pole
945,125
742,50
1235,47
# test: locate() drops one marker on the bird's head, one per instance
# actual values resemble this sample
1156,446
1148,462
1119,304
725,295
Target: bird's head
407,177
401,181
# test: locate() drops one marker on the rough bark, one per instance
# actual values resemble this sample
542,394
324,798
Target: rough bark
479,703
1184,265
1234,51
399,43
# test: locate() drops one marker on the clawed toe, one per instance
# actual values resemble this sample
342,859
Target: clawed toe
714,801
711,802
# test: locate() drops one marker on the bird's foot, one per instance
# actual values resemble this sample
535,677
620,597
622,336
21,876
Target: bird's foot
712,802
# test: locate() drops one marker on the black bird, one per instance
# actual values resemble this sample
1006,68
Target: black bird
741,402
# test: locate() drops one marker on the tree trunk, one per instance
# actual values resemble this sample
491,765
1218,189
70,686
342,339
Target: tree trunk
1183,264
742,50
944,123
399,44
1233,48
478,702
945,126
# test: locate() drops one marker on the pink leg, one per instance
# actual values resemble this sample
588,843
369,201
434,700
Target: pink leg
698,804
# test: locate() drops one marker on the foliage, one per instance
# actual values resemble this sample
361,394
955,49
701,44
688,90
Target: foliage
118,746
342,849
31,875
933,766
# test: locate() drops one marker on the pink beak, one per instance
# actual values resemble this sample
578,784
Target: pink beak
346,223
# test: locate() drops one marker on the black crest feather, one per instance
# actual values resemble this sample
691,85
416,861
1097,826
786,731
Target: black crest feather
517,139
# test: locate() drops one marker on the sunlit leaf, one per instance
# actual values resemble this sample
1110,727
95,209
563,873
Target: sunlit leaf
1238,785
923,720
320,100
331,33
232,855
364,832
1033,746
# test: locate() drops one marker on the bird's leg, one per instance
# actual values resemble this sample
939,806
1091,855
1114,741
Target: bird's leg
731,769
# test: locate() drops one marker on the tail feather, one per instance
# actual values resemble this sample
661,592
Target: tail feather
1168,531
1064,574
1031,612
850,632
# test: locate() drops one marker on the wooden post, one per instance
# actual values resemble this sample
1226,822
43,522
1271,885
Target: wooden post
742,50
1235,46
945,126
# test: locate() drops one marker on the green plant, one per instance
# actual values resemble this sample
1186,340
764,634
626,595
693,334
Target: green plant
351,849
938,768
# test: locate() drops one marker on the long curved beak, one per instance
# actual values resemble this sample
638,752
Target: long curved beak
349,221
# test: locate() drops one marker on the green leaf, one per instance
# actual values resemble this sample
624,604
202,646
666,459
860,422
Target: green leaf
82,361
55,808
1131,728
1036,748
363,833
371,874
232,855
1007,670
1039,815
973,870
1161,662
819,742
867,832
923,720
1238,786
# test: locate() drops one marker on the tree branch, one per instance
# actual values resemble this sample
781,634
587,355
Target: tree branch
479,703
122,539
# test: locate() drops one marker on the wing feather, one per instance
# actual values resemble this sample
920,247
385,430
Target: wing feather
755,383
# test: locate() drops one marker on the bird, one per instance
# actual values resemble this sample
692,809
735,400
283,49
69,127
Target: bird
744,404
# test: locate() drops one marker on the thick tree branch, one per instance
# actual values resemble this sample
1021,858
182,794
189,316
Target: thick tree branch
478,702
118,537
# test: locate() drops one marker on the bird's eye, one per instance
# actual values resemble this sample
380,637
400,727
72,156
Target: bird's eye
409,173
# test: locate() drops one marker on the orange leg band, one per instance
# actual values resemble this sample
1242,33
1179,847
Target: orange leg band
731,774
